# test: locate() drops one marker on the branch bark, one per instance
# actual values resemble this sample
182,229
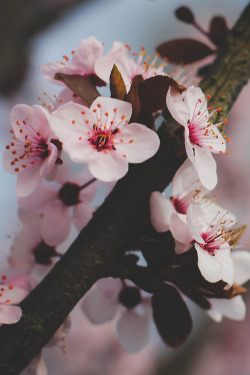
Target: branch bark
122,217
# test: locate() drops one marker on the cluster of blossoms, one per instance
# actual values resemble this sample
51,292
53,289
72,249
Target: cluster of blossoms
101,135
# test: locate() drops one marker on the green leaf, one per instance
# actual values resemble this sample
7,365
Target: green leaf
117,85
80,85
184,51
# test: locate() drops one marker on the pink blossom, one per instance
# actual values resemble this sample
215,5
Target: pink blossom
186,189
29,247
101,136
105,300
10,296
61,203
82,62
128,67
201,136
32,153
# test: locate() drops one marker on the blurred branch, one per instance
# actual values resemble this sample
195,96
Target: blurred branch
121,219
20,20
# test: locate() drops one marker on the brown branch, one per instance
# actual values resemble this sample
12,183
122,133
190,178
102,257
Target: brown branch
122,217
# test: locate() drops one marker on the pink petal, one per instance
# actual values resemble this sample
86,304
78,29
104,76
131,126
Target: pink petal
50,69
104,105
180,231
43,196
161,211
177,107
19,113
21,257
28,180
133,331
139,143
109,166
10,314
191,98
49,163
189,148
185,179
101,306
11,294
56,224
196,220
86,54
82,213
206,167
241,261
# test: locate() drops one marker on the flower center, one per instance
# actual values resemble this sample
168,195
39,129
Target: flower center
130,297
69,194
43,253
102,139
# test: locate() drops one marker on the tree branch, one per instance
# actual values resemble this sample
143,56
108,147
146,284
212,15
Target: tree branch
122,217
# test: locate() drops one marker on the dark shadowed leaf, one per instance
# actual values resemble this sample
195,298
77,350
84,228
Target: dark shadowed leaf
133,97
184,51
185,14
218,31
153,91
147,119
117,86
81,86
171,316
204,70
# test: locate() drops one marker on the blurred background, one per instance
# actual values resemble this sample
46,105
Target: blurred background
33,32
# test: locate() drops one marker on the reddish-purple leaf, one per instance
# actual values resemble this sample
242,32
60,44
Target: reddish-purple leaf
171,316
184,51
133,97
147,119
153,91
218,31
117,85
185,14
81,86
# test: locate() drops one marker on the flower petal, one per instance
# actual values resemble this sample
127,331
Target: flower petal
86,54
133,331
241,261
11,294
206,167
109,166
177,107
139,143
161,211
234,308
10,314
82,213
180,231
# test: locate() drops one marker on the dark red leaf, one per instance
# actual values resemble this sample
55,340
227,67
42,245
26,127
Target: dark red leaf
171,316
117,85
133,97
185,14
218,31
153,91
81,86
184,51
147,119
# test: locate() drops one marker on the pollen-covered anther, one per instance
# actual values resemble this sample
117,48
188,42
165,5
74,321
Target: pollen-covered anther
208,97
225,121
73,122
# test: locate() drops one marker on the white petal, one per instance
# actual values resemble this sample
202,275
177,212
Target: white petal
104,105
206,167
11,294
161,210
234,308
139,143
133,331
241,261
191,97
185,179
196,220
177,107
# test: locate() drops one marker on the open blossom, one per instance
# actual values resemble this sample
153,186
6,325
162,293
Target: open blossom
83,62
61,203
10,296
235,307
103,302
101,136
201,136
186,189
211,239
128,67
29,247
33,151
